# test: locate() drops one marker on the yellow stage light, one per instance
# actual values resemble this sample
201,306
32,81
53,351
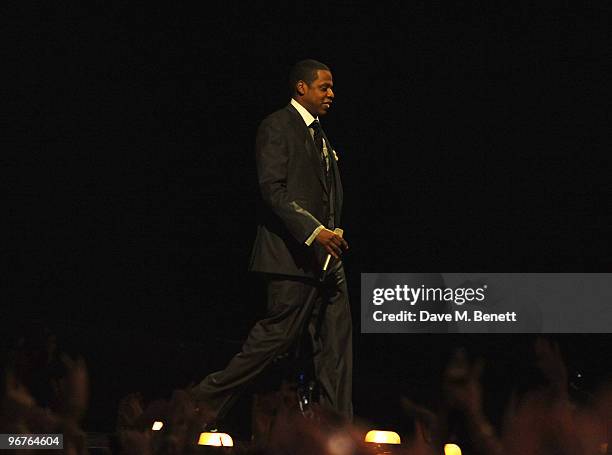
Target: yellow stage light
215,439
383,437
452,449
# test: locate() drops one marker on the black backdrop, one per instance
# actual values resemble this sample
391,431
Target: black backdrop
471,137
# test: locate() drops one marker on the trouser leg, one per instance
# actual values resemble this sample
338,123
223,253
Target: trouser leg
290,304
331,332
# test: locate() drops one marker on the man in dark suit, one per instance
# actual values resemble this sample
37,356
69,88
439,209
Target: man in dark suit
306,291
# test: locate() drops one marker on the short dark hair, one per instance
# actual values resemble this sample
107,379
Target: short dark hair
304,70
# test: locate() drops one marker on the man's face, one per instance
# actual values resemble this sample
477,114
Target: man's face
318,96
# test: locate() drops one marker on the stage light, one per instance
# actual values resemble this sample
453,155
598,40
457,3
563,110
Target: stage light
382,437
452,449
157,425
215,439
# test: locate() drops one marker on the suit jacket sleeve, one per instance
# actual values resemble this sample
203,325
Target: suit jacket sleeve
272,155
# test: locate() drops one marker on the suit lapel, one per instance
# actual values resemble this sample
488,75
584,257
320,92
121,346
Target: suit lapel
311,148
333,167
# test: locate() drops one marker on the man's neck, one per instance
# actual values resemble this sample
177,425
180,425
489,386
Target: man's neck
305,113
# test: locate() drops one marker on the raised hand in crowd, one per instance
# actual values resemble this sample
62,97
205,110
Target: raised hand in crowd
71,389
129,411
462,391
549,361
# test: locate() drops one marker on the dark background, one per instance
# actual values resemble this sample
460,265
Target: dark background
471,137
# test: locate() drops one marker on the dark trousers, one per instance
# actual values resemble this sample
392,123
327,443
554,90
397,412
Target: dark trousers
294,306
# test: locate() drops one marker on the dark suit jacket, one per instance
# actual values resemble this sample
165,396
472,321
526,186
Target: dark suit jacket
294,194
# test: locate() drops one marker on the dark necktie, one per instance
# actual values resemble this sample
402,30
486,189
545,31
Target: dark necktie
318,140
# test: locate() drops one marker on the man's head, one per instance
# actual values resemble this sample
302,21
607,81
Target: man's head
311,85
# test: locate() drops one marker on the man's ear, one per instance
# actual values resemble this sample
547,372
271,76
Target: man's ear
300,88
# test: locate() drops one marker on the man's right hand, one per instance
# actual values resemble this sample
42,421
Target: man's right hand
332,242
